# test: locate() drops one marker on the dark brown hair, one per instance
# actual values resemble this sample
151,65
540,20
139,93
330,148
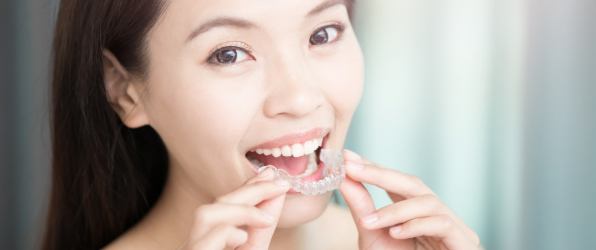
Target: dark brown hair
105,176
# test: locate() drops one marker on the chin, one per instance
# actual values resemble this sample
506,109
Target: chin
300,209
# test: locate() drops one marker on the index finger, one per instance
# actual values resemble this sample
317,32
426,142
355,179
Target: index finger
390,180
257,190
260,238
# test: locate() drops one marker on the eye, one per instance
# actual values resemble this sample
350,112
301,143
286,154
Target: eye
326,34
228,55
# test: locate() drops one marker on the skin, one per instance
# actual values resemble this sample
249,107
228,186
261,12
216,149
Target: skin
209,115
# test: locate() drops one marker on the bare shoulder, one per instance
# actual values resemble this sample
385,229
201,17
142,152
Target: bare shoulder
124,242
130,240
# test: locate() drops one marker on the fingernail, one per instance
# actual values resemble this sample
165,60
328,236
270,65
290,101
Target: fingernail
394,231
370,219
350,155
282,183
354,166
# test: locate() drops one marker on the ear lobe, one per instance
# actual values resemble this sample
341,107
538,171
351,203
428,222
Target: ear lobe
122,93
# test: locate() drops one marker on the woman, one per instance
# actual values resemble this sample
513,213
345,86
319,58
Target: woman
160,106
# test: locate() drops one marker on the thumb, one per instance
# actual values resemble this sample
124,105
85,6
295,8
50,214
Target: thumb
358,200
260,238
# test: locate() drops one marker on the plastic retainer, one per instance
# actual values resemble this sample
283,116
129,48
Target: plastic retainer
333,175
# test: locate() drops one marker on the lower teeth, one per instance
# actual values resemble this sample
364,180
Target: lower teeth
333,174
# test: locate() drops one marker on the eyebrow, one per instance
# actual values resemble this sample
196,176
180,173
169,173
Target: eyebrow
245,24
326,5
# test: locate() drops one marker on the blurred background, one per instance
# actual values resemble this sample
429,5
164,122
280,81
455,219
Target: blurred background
491,102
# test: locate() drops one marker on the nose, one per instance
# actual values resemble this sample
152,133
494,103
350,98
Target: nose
293,90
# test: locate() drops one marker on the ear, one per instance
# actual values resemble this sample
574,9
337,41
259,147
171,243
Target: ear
123,93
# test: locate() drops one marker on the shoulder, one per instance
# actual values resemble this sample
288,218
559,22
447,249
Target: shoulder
124,242
130,240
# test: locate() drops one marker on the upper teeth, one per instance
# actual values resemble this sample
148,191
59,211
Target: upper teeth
295,150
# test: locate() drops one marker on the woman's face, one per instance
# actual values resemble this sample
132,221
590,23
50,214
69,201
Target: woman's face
226,76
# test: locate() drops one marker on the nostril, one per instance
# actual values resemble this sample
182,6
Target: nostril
297,100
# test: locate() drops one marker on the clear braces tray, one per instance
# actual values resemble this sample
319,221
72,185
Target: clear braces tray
333,172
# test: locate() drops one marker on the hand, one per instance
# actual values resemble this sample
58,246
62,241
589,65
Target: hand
243,219
416,220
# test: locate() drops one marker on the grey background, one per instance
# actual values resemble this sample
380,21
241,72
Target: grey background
26,28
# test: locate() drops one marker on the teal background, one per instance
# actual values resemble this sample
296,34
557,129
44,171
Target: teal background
490,102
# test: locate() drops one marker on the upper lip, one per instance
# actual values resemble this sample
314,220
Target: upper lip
290,139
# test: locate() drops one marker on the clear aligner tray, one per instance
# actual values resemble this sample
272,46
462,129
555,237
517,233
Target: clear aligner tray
333,175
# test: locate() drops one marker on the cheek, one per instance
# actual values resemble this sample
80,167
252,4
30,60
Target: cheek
342,78
201,119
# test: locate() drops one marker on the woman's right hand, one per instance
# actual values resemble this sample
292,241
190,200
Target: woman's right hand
243,219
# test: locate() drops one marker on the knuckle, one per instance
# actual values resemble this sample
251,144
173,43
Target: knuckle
418,185
411,178
222,199
219,199
242,235
445,222
407,227
413,183
253,212
202,213
416,181
432,202
226,230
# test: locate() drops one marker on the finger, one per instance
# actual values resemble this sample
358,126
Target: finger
391,180
468,231
255,193
221,237
358,200
236,237
403,211
206,217
441,226
266,174
417,207
260,238
412,186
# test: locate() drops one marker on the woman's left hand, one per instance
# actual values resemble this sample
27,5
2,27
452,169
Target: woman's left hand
416,220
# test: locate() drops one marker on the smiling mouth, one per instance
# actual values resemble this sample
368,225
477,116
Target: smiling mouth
299,157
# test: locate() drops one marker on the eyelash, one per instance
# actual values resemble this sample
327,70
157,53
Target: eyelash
246,49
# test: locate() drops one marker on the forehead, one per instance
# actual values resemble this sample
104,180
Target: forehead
190,14
249,7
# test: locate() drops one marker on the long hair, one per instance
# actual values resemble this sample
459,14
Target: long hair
105,176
